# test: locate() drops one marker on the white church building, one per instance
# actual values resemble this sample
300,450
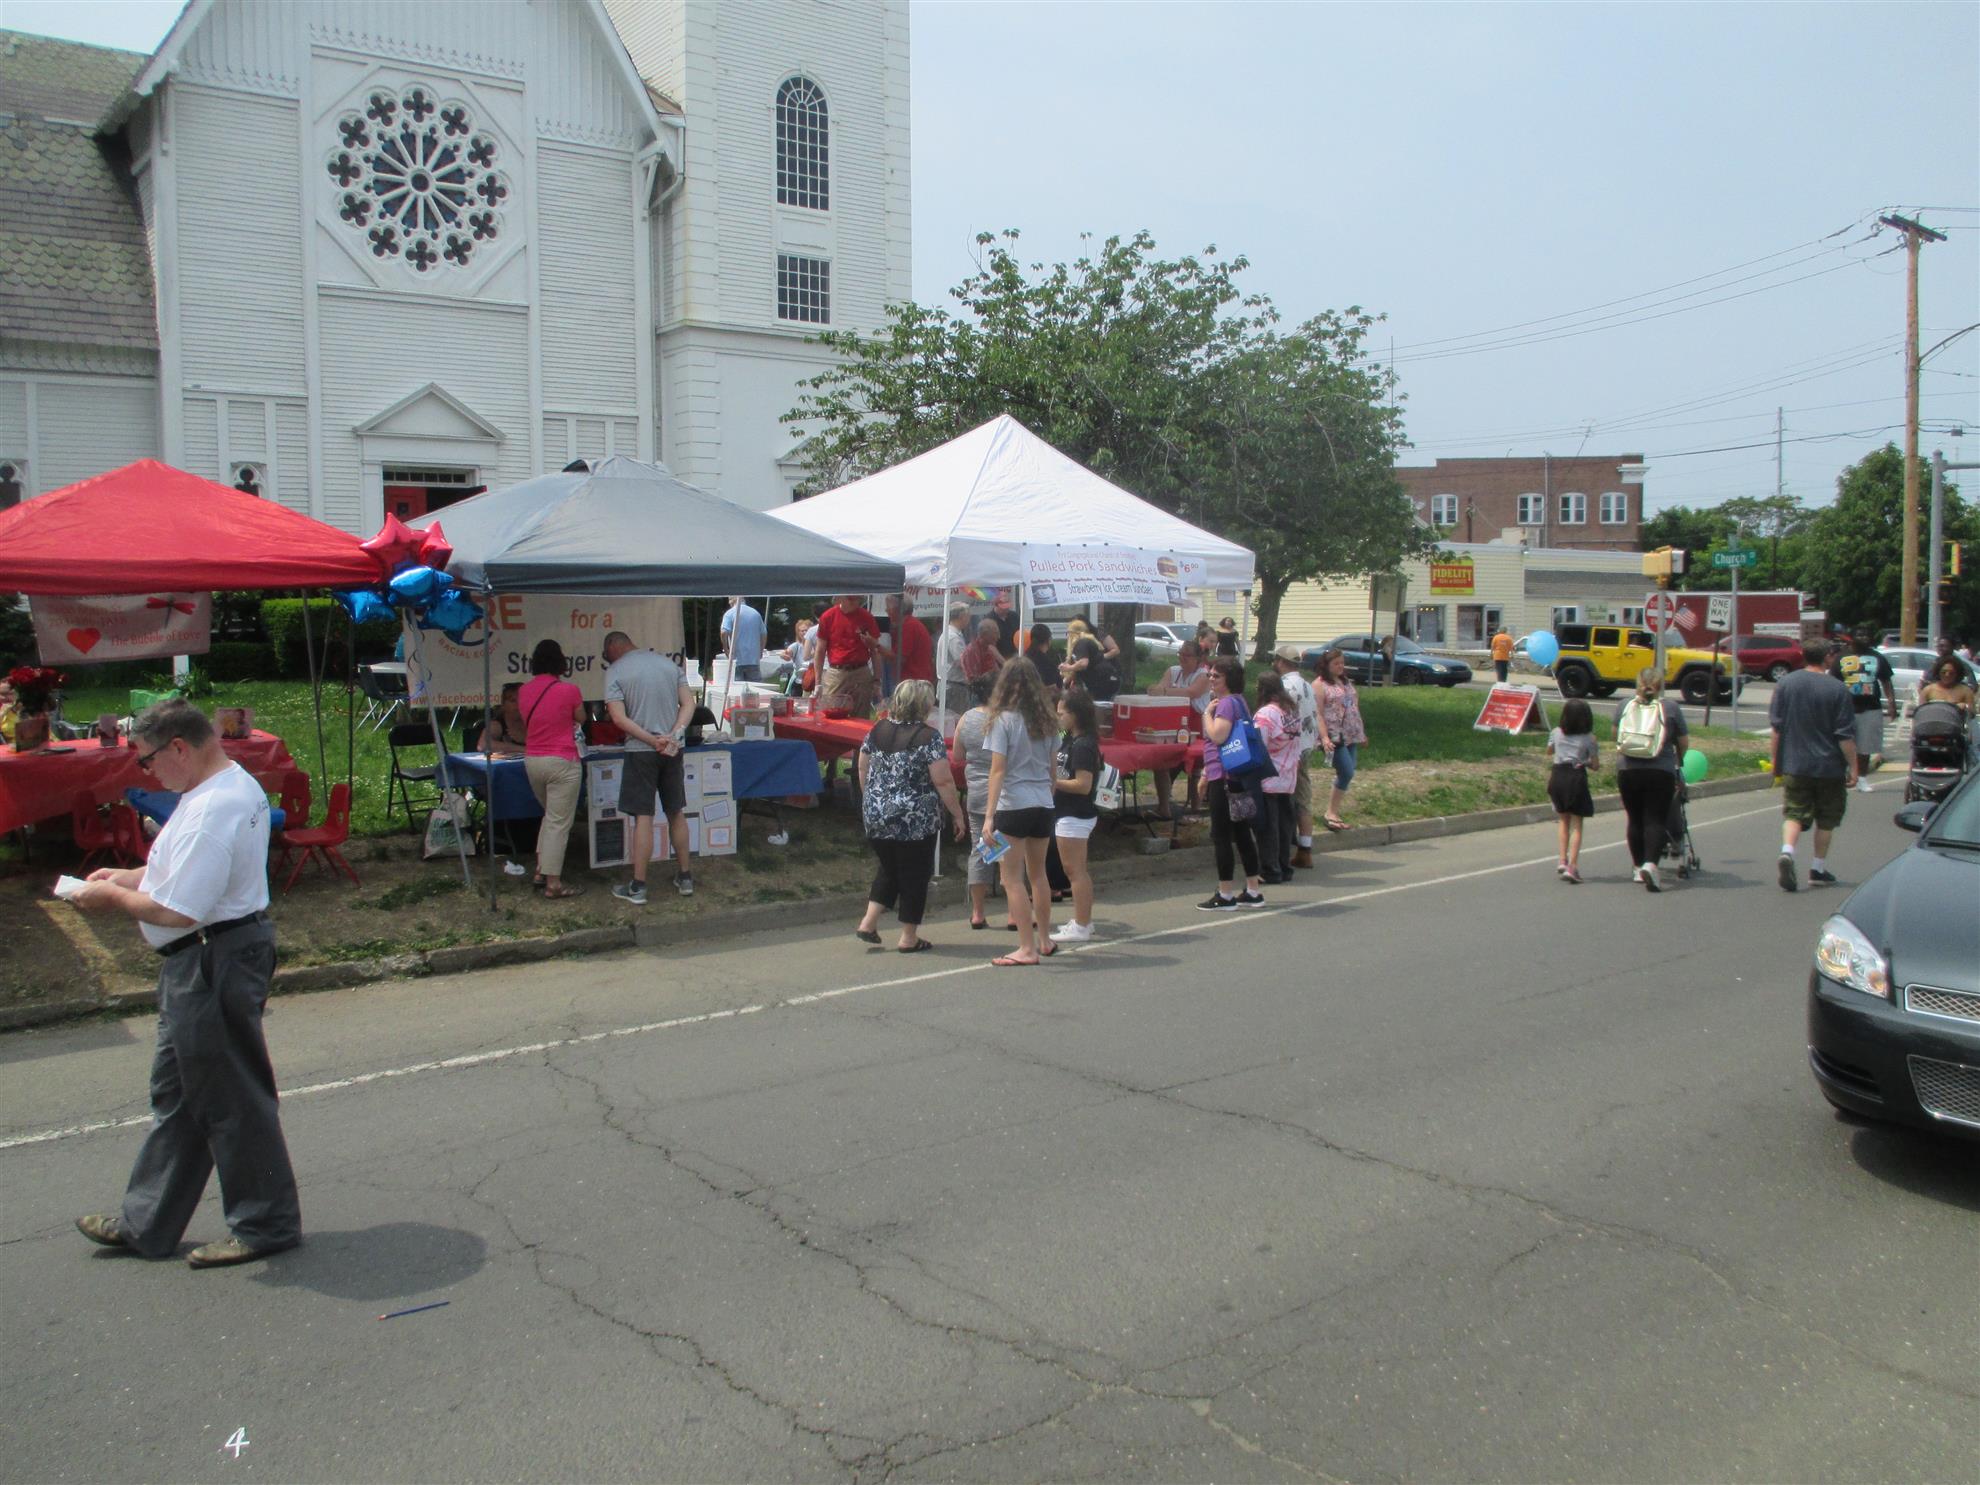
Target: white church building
368,255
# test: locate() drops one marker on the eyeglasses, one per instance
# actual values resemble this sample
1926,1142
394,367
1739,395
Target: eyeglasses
144,759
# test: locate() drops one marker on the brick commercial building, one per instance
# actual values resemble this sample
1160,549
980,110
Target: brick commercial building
1593,502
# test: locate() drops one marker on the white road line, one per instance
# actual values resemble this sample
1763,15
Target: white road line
481,1059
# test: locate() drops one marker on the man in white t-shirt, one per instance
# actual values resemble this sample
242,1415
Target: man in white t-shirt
200,901
1285,660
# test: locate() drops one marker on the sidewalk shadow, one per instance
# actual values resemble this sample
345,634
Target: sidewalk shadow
1937,1166
394,1260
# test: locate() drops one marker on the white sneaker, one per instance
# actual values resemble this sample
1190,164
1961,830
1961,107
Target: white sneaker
1863,786
1650,881
1072,933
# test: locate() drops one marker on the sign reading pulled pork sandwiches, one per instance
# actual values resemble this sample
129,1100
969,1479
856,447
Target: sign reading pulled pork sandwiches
1060,575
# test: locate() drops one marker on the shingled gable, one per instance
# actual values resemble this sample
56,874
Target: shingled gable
74,265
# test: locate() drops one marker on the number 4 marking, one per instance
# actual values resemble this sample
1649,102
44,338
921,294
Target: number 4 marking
237,1441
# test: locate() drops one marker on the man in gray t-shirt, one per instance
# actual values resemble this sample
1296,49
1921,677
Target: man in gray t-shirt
650,702
1814,758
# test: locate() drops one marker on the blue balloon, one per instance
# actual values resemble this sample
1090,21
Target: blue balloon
364,605
453,614
420,586
1542,648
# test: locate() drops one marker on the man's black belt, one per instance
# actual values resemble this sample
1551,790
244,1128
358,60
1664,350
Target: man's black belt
208,933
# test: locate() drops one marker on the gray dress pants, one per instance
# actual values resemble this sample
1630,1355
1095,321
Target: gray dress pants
213,1102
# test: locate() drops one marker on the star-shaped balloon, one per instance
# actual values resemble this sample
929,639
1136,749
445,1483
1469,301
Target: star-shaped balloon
434,548
395,545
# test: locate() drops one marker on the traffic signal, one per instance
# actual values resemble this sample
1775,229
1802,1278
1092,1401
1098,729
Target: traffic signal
1663,562
1952,559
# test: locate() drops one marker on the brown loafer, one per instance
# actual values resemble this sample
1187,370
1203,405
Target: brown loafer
229,1251
102,1228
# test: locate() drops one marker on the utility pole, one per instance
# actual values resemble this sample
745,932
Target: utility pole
1915,233
1780,475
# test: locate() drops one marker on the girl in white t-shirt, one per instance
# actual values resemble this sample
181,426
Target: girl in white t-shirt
1572,747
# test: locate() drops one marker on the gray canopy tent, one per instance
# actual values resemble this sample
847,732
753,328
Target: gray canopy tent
627,529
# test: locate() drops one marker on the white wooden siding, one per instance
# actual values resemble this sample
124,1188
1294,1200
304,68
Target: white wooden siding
88,426
590,335
251,45
239,254
576,84
378,350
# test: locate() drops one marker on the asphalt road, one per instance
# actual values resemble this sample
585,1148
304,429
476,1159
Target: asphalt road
1438,1169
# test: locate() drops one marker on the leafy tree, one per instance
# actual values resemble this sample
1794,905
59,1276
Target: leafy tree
1855,552
1160,374
1304,445
1696,532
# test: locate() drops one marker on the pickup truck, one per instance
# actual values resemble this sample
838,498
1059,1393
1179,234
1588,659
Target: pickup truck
1601,659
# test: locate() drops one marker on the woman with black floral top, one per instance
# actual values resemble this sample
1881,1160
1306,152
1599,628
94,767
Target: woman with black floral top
905,784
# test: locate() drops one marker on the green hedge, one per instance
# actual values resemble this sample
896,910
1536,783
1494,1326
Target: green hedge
282,618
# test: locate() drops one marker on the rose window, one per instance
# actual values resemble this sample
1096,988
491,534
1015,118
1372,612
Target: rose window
417,180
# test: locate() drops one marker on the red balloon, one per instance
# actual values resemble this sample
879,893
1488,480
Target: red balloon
395,544
434,548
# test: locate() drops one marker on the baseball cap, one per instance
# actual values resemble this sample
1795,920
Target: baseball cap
1287,652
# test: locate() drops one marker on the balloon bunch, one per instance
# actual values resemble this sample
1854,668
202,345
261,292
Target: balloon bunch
1542,648
413,560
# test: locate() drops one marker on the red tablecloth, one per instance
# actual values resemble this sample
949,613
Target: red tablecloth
1133,757
42,786
830,737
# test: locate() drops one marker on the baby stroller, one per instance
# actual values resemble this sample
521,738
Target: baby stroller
1680,854
1938,751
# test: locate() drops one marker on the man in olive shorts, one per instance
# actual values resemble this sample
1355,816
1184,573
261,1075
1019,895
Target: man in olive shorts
1814,758
651,703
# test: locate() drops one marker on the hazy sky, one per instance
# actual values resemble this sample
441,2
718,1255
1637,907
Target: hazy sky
1465,168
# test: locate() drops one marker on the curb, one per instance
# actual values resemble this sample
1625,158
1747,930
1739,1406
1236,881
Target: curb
950,890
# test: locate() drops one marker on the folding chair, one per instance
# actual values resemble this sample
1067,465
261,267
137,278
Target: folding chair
409,736
294,790
322,841
131,845
384,696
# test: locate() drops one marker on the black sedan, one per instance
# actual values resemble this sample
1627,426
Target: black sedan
1415,666
1894,993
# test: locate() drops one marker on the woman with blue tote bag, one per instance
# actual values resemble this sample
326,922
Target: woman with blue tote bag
1229,732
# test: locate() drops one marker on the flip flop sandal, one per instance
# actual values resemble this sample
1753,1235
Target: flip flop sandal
1005,961
867,935
979,923
1010,928
567,890
1048,951
919,945
1332,824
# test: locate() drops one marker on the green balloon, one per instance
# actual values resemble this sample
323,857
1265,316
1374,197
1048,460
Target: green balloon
1696,766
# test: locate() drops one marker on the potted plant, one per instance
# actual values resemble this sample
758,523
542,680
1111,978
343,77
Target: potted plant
37,689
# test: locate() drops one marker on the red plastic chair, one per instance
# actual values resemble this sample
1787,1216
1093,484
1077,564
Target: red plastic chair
94,833
129,842
294,789
321,841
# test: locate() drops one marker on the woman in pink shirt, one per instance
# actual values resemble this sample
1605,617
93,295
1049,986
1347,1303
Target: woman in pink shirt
1278,724
552,708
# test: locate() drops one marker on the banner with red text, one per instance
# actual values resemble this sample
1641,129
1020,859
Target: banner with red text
452,672
121,626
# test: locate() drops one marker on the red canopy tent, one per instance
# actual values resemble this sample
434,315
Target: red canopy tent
150,528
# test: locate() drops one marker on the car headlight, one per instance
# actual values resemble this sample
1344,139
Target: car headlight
1844,955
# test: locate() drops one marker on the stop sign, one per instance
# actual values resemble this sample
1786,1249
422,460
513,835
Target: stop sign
1660,612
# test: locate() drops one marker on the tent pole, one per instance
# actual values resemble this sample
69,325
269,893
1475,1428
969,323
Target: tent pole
488,715
315,679
1244,624
417,652
942,707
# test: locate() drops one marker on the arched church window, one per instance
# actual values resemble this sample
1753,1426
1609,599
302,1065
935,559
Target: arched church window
803,145
417,179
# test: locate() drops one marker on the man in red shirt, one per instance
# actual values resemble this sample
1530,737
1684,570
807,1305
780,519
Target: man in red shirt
914,646
847,639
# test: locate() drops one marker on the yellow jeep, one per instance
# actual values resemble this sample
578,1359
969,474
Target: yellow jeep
1600,659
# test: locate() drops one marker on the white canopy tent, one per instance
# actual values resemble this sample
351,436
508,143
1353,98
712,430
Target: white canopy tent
1000,507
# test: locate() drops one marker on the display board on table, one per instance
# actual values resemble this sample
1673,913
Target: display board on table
708,780
449,673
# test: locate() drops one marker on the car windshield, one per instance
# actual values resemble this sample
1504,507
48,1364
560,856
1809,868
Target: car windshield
1957,821
1409,647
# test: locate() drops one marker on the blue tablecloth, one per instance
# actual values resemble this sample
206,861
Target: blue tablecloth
759,769
157,805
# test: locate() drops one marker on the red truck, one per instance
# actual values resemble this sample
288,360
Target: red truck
1769,643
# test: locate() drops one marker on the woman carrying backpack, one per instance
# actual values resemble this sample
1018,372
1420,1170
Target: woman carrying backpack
1650,741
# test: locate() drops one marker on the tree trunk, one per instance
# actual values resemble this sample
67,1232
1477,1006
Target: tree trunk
1271,593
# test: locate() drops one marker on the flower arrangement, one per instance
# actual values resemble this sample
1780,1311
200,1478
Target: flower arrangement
36,686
